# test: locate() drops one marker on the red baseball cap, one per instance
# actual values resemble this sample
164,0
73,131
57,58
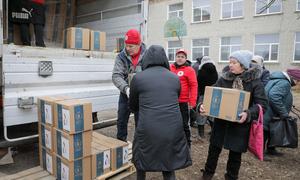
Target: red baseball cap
132,37
181,51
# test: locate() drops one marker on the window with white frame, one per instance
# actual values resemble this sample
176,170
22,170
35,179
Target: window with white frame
175,10
201,10
298,5
267,46
200,47
232,9
297,47
229,45
173,46
261,7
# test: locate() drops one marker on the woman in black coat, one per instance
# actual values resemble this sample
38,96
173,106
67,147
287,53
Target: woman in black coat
207,76
232,135
159,141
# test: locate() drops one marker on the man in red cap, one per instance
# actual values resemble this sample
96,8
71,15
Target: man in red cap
127,63
189,88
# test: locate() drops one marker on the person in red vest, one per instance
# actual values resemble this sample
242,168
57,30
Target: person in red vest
189,88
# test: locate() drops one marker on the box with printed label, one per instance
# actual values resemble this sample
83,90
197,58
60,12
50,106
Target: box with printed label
79,169
120,44
46,106
47,160
46,136
225,103
72,146
73,116
100,160
97,41
119,149
77,38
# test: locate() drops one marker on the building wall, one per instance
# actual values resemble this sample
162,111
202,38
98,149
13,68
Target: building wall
285,23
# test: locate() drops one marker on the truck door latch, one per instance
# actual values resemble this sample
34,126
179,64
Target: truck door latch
26,103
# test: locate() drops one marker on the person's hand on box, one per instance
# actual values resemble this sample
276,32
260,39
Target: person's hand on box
243,117
200,108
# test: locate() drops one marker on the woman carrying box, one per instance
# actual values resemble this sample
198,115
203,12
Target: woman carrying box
234,136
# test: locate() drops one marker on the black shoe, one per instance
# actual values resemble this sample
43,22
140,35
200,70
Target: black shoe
206,176
273,152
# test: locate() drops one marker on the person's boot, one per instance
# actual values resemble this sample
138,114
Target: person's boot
273,152
201,131
227,177
206,176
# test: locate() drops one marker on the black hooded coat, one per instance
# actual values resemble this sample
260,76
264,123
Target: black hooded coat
159,140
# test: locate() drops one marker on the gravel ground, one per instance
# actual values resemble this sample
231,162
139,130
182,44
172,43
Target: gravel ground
281,168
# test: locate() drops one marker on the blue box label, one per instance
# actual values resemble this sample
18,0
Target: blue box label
78,38
58,142
99,164
58,168
215,102
78,115
59,117
78,171
78,145
42,109
43,135
44,159
240,105
119,157
97,40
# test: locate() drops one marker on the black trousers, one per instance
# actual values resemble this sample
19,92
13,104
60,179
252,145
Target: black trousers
184,109
233,162
123,117
38,32
25,34
167,175
39,35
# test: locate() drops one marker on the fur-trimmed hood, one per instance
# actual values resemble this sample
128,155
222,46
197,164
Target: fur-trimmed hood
254,72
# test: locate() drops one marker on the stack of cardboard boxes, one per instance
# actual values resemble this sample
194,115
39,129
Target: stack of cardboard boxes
86,39
69,149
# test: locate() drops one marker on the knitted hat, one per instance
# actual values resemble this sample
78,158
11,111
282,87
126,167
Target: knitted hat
244,57
206,60
294,73
132,37
259,60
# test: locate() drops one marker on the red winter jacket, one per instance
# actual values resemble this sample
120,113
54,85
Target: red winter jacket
188,81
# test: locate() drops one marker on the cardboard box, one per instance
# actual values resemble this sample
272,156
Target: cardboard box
101,160
97,41
77,38
73,116
46,105
72,146
225,103
47,160
119,149
73,170
46,137
120,44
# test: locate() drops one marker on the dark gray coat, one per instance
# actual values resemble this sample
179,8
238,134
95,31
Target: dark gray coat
159,141
231,135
